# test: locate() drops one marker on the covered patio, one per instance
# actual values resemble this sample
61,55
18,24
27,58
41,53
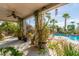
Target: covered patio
20,12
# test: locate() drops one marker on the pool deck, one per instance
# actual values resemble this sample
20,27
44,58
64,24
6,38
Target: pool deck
66,38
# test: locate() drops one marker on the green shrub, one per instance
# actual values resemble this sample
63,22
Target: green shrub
42,51
10,51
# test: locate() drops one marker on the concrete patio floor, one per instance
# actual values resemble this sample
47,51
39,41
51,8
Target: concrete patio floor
22,46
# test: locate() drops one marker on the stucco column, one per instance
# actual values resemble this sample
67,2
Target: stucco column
24,27
39,24
20,30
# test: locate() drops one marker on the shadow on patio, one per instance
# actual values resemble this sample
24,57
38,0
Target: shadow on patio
14,42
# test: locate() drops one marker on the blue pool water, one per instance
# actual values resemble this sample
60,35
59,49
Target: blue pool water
72,37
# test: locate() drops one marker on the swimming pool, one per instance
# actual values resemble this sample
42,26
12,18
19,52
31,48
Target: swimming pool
72,37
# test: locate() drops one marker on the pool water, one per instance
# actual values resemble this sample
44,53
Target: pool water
72,37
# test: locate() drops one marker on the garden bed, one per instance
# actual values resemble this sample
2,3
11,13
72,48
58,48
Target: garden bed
63,47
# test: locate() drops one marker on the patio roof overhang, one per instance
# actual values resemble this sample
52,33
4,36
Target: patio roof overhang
22,10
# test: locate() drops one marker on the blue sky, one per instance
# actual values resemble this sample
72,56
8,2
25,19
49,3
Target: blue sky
31,21
71,9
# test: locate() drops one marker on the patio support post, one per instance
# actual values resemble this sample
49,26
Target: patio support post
20,30
24,27
39,23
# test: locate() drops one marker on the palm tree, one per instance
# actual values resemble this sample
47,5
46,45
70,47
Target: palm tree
72,22
65,16
77,29
77,24
71,28
53,21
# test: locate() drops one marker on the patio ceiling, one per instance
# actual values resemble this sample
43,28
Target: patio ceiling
21,9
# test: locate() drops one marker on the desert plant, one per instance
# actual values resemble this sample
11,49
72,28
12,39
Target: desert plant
69,50
57,47
63,48
41,30
42,51
1,36
10,51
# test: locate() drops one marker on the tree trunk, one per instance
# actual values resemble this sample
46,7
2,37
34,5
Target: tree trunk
65,25
53,27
